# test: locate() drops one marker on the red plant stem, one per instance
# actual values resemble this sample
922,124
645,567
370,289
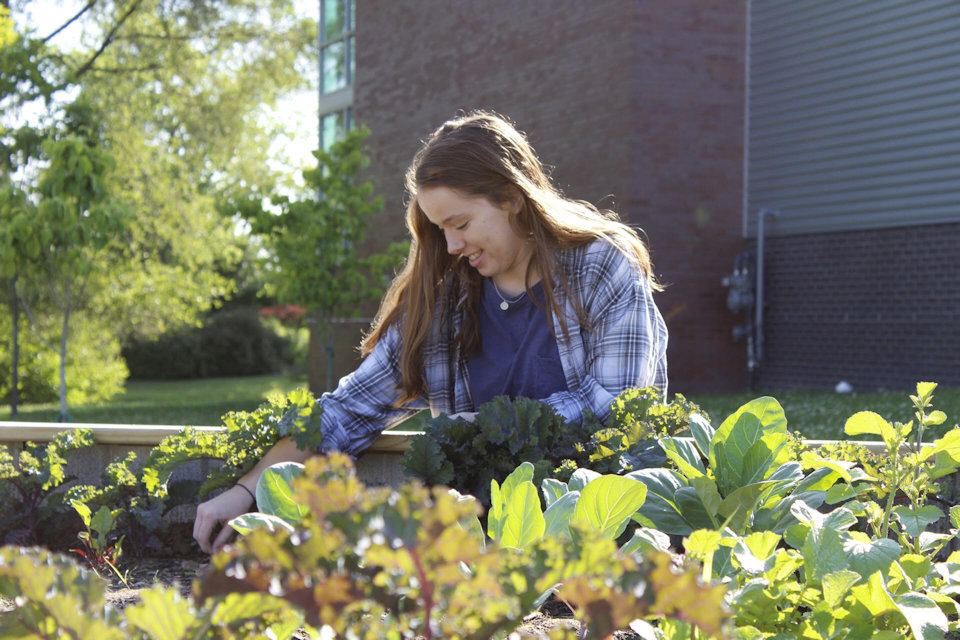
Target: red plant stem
426,592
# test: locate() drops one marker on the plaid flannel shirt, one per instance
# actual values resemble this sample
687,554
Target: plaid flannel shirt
625,347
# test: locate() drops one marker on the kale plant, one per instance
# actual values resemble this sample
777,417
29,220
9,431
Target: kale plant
468,455
34,511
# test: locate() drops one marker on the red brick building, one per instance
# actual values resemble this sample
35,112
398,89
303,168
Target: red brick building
638,106
688,117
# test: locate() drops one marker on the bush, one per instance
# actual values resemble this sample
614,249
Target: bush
95,369
230,343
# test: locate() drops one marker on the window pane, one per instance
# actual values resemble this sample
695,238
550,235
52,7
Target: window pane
352,15
333,129
334,66
334,18
352,47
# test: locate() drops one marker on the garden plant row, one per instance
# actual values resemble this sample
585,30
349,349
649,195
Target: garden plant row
735,531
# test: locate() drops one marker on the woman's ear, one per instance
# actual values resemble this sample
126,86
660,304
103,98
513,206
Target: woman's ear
515,201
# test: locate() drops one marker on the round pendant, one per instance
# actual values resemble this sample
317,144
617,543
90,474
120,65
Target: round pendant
504,305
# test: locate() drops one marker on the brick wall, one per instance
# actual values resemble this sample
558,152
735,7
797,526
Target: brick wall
878,308
638,106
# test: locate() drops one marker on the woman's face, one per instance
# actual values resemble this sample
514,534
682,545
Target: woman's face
479,231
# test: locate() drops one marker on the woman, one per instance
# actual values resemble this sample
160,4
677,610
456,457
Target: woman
509,289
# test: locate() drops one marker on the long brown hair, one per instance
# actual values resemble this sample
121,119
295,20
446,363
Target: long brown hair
483,154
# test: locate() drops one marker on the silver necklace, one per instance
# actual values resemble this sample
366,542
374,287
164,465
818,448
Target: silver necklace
506,302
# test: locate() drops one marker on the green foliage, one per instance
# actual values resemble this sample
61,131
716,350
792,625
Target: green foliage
95,369
743,475
230,343
54,597
315,240
35,512
398,563
468,455
276,506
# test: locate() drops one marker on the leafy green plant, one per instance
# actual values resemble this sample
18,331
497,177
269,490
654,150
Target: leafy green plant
401,563
276,506
140,497
743,475
505,432
54,597
101,548
34,511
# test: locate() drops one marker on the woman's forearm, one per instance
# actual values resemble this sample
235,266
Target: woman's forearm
285,450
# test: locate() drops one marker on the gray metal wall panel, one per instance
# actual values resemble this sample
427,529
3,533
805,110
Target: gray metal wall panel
853,114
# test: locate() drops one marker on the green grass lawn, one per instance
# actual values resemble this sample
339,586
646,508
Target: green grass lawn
816,414
822,414
174,402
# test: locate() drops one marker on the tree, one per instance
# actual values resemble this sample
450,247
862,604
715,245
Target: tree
76,227
179,90
315,241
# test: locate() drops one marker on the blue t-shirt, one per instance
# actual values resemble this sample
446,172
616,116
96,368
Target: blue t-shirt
518,355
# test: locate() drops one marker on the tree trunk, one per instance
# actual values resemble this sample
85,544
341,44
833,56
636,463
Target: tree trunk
315,354
15,349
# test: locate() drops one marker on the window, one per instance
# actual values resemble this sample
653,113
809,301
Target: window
337,67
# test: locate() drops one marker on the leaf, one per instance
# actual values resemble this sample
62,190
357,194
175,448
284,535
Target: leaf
249,521
102,522
867,558
755,552
660,509
873,595
523,522
706,489
84,511
162,614
925,389
425,459
607,503
552,490
915,521
702,543
836,585
693,510
580,479
870,423
275,492
702,432
684,454
955,516
925,618
557,516
645,539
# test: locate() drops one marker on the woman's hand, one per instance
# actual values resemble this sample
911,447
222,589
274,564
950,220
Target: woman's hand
218,511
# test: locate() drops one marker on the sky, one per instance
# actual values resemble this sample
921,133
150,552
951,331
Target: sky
297,112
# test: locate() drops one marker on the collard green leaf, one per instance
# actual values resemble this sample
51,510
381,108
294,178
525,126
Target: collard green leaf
660,510
646,539
684,454
275,492
706,489
250,521
553,490
693,509
557,515
702,432
581,478
523,522
756,552
607,503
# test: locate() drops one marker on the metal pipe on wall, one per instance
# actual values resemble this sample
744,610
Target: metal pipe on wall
758,309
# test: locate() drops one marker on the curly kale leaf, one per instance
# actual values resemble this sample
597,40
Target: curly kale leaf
425,460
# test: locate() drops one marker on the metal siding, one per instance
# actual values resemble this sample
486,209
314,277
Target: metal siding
854,114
